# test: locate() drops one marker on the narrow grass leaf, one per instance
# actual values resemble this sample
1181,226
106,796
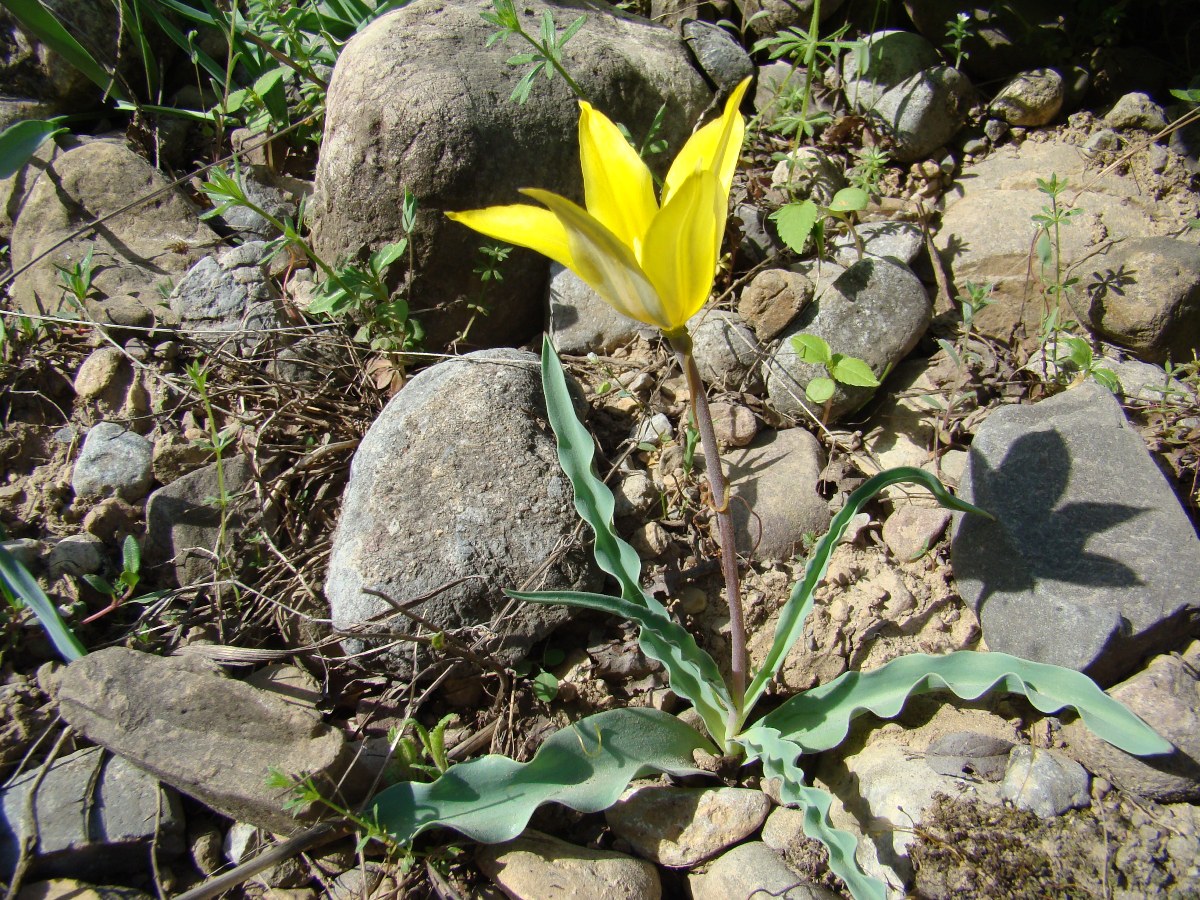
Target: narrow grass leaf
819,719
586,767
23,586
799,604
45,26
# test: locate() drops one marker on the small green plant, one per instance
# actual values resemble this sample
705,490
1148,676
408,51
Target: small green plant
1048,247
1080,359
797,222
807,50
304,793
848,370
867,173
959,30
123,586
423,758
493,257
546,56
76,280
978,298
542,681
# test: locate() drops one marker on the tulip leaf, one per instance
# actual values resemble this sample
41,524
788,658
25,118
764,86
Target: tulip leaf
24,587
593,499
585,766
799,604
21,140
819,719
778,756
693,673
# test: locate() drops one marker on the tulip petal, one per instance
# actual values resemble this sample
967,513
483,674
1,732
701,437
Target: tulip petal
523,225
683,244
617,186
601,259
715,147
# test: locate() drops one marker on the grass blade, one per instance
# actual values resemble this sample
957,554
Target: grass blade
47,29
23,586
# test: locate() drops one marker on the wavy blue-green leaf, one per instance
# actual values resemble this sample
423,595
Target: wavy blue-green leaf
694,674
19,141
819,719
24,587
799,604
593,499
586,766
778,757
44,25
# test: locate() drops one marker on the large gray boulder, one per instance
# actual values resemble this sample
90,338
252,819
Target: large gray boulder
876,310
134,253
1091,563
455,492
418,101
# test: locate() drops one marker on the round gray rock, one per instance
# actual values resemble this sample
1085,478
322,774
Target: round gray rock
459,477
113,462
727,352
876,311
1044,782
925,111
890,57
1030,99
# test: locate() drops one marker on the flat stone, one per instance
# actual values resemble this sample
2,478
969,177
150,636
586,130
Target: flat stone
229,299
207,736
1091,562
901,242
1045,782
774,499
680,827
756,872
1166,694
71,889
911,531
112,462
537,866
97,815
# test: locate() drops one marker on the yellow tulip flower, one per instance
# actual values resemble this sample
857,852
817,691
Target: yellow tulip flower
651,262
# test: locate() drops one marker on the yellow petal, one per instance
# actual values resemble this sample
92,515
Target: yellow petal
617,186
683,244
601,259
521,224
715,147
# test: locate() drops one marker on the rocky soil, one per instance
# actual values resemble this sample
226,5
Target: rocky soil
324,527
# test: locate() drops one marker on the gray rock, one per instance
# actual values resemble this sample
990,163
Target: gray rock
1143,382
97,815
967,753
876,311
183,521
134,253
773,78
27,551
1004,39
924,112
900,242
1030,99
536,866
1166,694
774,502
112,462
891,57
680,827
809,174
727,353
758,240
764,18
228,299
635,494
1136,110
755,872
416,101
1144,294
1100,142
581,322
77,554
735,425
459,476
1045,782
772,299
1090,562
720,56
207,736
912,531
246,222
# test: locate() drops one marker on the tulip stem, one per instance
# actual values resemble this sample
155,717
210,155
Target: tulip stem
681,342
